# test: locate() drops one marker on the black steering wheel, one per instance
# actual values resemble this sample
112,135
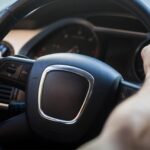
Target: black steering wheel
68,96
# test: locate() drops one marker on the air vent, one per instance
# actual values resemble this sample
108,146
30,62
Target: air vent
7,93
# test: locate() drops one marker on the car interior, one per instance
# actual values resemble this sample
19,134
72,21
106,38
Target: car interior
64,66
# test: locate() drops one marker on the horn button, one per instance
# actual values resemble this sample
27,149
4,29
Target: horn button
68,96
64,92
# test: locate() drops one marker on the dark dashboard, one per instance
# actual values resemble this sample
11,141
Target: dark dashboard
104,31
120,48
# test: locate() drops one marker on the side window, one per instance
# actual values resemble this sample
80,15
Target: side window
6,3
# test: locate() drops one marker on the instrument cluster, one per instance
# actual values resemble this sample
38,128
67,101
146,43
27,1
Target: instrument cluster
71,36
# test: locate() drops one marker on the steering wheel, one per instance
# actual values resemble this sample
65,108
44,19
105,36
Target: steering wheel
68,96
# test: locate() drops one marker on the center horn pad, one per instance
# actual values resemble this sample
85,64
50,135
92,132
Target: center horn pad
64,92
69,95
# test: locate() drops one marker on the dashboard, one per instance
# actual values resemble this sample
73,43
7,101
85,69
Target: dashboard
119,48
111,35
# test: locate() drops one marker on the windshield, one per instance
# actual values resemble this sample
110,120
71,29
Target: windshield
6,3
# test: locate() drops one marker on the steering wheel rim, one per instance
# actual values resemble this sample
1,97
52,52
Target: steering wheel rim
17,11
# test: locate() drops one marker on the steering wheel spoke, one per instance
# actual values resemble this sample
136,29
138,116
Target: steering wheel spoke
15,71
127,89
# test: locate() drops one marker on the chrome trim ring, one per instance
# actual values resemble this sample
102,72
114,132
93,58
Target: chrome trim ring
74,70
4,106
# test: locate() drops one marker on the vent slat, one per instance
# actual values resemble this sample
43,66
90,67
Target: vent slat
4,96
5,93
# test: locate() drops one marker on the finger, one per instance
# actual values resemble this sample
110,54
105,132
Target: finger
146,59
